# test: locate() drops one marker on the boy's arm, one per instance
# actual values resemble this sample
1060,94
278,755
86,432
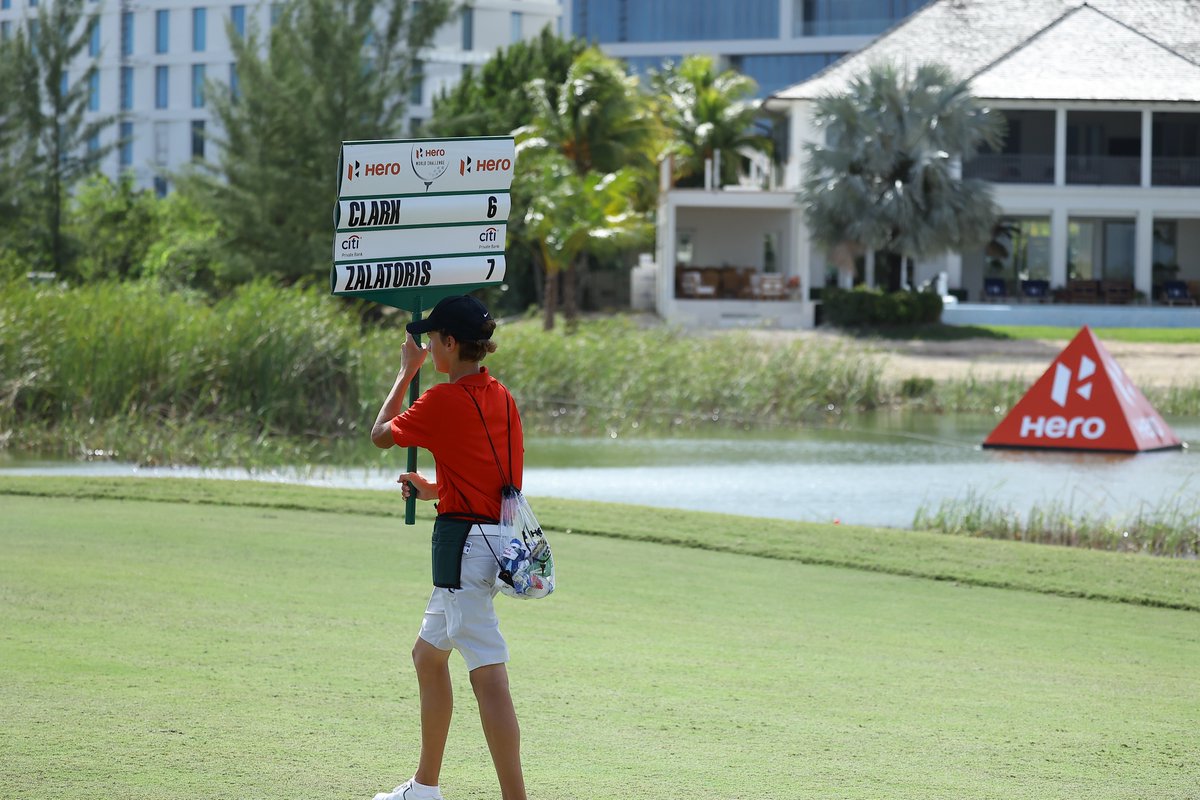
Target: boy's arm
413,357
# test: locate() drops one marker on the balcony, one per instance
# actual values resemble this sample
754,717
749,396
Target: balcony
1010,168
1097,170
1175,172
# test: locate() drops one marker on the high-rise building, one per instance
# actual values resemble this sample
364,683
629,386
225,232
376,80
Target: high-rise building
776,42
154,57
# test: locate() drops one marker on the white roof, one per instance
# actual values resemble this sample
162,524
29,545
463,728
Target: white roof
1110,50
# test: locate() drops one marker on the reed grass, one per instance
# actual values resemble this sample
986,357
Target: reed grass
1170,527
271,374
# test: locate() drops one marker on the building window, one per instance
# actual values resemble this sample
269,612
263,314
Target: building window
199,29
5,30
93,91
276,13
126,88
33,3
416,94
468,28
93,143
237,16
197,86
126,33
5,4
160,186
162,142
235,90
198,139
515,24
126,144
162,30
609,21
162,77
840,18
414,125
94,37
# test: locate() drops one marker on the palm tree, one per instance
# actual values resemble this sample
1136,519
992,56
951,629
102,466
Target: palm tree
598,121
886,177
707,113
572,214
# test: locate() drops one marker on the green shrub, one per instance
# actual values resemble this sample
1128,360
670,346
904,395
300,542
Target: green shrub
866,307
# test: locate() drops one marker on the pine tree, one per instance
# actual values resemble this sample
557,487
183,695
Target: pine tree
49,146
332,71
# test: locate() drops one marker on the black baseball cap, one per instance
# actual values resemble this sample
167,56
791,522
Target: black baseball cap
462,316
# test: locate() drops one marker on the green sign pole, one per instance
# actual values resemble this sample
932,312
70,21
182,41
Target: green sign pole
414,391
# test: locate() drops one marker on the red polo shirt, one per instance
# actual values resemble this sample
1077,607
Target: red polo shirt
444,422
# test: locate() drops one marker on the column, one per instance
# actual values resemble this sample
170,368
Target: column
1059,239
666,259
869,268
1147,147
1060,149
1143,277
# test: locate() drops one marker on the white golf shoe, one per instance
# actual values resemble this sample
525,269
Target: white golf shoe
407,791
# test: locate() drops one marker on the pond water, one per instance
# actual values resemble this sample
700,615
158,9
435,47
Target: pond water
870,469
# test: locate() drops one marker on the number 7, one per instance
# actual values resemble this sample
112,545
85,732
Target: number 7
491,268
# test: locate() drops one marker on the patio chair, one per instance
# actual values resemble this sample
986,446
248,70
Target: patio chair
689,284
1083,291
772,286
1036,290
1175,293
1117,293
995,289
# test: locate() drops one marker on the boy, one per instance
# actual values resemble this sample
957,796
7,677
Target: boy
471,425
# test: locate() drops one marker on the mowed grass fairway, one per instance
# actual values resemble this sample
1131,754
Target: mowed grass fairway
155,649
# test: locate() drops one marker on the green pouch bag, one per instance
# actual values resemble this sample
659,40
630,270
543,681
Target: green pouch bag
449,536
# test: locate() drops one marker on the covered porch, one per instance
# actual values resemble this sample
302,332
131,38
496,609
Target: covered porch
730,258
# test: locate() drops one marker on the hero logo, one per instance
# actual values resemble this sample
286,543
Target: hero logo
1059,427
489,235
357,169
429,163
484,165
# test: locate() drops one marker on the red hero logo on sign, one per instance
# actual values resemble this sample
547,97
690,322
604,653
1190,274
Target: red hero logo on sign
358,169
468,164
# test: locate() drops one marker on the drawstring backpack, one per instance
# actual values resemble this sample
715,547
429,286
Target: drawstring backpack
526,563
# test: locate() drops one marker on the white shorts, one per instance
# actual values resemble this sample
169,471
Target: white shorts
465,619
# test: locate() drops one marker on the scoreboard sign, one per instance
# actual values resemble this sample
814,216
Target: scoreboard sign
421,219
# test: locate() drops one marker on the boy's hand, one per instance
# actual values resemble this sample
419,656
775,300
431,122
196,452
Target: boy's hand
414,355
426,489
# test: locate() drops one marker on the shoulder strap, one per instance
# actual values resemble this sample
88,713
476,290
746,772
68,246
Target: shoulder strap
503,479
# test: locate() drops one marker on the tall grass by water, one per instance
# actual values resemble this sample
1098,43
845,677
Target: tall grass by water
276,375
1167,528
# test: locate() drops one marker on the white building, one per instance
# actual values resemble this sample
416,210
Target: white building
1099,178
155,55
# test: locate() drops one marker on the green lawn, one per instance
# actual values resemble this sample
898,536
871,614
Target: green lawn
176,639
1149,335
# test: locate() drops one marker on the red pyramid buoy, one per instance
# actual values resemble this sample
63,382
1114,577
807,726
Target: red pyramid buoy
1084,401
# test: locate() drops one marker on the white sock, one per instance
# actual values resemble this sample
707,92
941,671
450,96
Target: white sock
430,792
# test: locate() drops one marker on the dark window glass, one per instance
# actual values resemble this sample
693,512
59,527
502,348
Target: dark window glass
126,88
849,17
198,138
468,28
126,33
675,20
237,15
126,139
162,78
162,31
199,29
